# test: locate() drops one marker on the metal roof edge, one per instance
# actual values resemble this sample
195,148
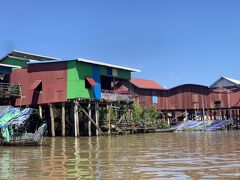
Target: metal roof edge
3,57
135,84
187,84
237,82
148,88
50,61
215,82
108,65
9,65
31,54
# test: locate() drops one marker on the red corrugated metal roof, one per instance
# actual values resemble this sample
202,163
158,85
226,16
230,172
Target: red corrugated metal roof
91,81
145,84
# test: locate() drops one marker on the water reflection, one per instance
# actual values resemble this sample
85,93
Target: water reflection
193,155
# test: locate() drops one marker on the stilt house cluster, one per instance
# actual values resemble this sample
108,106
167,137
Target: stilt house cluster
63,90
72,86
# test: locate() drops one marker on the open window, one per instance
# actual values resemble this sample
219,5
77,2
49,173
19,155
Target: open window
106,83
36,86
217,104
89,82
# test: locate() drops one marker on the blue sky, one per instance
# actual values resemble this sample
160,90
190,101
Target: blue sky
172,41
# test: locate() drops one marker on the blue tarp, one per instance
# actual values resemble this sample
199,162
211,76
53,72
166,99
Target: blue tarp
210,125
217,124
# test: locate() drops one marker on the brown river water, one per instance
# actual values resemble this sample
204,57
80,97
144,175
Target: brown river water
182,155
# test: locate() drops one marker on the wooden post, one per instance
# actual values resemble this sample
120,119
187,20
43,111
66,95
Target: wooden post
75,110
78,123
63,119
40,111
109,109
239,114
96,117
186,114
83,110
230,114
89,121
52,120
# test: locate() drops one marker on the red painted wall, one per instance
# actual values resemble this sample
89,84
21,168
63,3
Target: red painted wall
54,83
188,96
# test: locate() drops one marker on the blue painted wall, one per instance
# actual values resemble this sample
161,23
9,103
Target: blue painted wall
96,76
109,71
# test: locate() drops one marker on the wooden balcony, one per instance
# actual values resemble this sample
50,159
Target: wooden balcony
8,90
110,95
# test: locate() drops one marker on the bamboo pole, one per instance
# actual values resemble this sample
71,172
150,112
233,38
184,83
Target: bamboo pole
63,119
52,120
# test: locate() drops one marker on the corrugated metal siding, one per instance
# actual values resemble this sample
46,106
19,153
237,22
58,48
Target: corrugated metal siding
13,61
54,83
189,97
96,76
76,74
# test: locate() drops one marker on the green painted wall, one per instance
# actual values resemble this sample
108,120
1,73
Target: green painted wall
124,74
103,70
13,61
76,74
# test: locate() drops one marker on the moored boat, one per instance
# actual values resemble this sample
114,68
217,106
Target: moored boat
18,127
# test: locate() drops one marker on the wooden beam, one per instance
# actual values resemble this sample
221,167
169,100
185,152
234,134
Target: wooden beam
90,118
52,120
63,119
89,121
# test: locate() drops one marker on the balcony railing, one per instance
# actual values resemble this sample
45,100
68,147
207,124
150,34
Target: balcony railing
9,90
110,95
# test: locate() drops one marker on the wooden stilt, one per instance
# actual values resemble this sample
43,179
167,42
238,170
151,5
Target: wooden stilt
83,110
63,119
40,111
186,113
166,116
78,123
89,121
109,109
75,118
96,117
52,120
239,114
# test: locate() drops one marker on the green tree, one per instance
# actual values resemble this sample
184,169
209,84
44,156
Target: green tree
137,112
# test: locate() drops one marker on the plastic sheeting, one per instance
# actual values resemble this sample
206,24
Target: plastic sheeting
210,125
217,124
10,116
